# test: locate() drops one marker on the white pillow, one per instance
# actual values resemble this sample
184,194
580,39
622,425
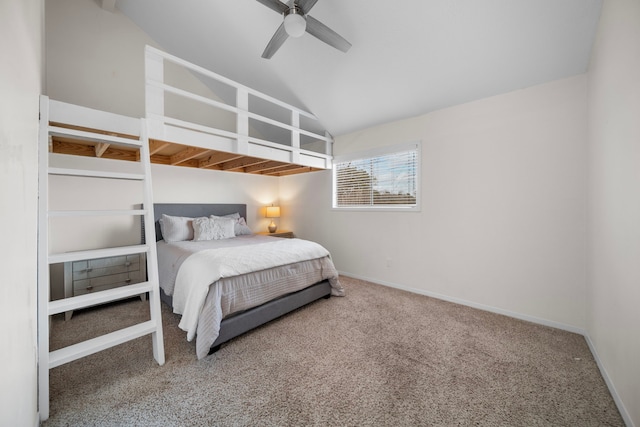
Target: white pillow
234,215
213,228
240,227
176,228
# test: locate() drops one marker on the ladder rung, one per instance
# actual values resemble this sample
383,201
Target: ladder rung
85,348
56,214
95,298
97,253
93,136
96,174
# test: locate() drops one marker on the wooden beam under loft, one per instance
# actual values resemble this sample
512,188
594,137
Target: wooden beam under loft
166,153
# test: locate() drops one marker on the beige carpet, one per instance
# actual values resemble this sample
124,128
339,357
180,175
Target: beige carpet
379,356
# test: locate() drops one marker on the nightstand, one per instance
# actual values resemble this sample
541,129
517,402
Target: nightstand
281,233
83,277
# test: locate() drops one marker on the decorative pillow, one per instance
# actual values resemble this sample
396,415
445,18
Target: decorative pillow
235,215
176,228
213,228
240,227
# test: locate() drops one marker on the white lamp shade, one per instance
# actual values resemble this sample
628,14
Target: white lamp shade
295,24
273,212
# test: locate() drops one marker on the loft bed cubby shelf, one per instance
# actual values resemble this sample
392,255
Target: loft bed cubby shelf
268,136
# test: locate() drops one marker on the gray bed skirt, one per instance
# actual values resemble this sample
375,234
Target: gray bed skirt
247,320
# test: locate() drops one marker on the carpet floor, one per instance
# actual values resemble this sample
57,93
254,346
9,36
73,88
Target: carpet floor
379,356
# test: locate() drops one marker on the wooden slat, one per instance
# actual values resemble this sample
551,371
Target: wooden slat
62,145
100,148
281,168
160,159
187,154
288,170
193,163
293,171
156,146
263,167
217,158
241,163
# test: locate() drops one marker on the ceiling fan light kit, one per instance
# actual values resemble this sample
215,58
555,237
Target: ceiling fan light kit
296,22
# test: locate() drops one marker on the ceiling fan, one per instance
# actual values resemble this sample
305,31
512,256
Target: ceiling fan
296,22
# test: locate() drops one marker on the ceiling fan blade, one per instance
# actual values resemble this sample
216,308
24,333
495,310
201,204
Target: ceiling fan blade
276,41
306,5
326,34
275,5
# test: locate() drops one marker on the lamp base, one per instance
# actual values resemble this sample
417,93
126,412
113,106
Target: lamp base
272,227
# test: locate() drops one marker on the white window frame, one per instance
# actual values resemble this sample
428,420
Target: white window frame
373,153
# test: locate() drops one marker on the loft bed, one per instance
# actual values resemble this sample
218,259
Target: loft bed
79,123
241,130
248,148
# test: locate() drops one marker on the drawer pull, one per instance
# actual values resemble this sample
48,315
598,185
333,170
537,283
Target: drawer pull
89,288
128,263
89,270
128,280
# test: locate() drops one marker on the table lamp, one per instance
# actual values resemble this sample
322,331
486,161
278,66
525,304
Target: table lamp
273,212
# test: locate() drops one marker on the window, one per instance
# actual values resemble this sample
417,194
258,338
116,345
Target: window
379,179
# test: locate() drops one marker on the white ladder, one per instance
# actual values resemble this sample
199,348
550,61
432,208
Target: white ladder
80,121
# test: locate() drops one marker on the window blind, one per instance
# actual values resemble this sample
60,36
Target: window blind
387,180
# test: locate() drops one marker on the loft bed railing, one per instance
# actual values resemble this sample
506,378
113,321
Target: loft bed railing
171,129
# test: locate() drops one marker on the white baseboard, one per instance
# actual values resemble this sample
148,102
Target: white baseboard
532,319
569,328
612,388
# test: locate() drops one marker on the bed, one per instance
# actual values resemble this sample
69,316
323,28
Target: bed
218,293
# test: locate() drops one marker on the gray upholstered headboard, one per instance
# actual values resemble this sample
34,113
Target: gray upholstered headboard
194,210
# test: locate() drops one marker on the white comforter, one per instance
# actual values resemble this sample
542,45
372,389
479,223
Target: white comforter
201,269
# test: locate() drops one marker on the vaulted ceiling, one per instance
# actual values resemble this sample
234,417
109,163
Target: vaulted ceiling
409,57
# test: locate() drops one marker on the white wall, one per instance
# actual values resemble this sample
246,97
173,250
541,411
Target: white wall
503,220
614,200
20,83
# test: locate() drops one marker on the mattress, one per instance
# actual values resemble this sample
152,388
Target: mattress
229,295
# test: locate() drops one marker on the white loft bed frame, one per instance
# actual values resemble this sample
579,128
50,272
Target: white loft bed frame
85,124
164,128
